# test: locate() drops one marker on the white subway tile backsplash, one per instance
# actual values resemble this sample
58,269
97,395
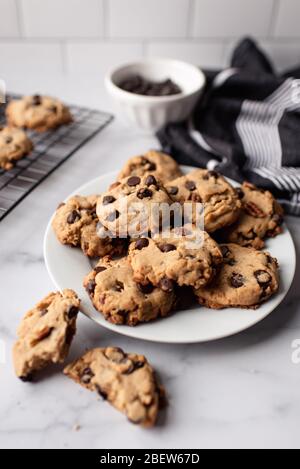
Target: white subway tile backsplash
198,53
9,20
148,19
29,58
62,18
99,58
231,18
287,21
92,36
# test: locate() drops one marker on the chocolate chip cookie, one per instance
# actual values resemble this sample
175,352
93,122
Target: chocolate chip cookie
187,256
45,333
14,144
122,300
37,112
219,200
75,223
134,205
159,164
246,278
261,218
126,380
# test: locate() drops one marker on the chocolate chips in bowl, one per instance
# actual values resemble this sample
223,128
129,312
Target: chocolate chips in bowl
140,85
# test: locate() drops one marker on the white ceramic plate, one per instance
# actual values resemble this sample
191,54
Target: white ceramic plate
68,266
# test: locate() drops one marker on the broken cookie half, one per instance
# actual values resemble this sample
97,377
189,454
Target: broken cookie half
127,381
45,333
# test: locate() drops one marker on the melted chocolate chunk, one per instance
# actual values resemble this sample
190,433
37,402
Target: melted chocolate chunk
146,289
141,243
263,278
167,247
73,217
133,181
144,193
237,280
190,185
166,285
108,199
86,375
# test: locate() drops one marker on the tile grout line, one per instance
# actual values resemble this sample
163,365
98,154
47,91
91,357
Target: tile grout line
105,19
191,14
273,18
20,18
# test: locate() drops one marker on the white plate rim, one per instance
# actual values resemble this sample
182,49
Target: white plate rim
133,331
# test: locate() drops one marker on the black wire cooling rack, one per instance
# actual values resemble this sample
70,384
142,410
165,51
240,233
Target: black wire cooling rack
51,149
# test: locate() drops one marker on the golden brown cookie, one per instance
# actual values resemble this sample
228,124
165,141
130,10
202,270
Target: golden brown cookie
75,223
211,192
37,112
246,278
185,256
261,217
125,380
45,333
14,145
120,299
161,165
134,205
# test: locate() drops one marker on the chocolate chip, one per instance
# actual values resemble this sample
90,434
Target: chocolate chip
190,185
151,166
43,312
86,375
115,354
150,180
1,128
167,247
36,100
133,181
99,269
263,278
101,393
139,364
72,312
8,140
113,216
239,192
278,219
213,174
225,251
141,243
146,289
53,108
172,190
118,286
144,193
90,288
62,204
73,217
166,285
236,280
108,199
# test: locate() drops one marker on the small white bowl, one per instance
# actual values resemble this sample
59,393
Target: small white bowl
150,113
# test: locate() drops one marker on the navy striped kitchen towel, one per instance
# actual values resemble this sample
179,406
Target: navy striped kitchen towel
246,125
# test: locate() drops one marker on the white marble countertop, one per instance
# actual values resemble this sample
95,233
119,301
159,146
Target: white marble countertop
242,391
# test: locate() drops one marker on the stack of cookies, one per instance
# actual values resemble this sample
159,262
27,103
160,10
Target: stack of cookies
39,113
140,277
